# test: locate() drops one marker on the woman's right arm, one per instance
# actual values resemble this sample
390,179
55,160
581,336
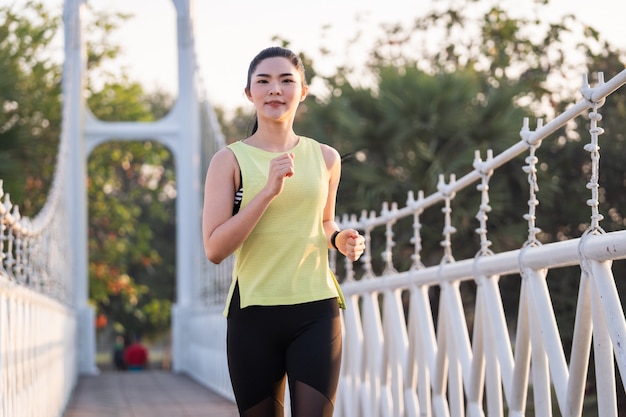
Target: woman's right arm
223,233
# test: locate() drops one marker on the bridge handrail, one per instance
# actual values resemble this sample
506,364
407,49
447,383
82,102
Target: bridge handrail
33,251
593,95
401,358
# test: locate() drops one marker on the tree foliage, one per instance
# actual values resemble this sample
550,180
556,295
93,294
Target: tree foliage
131,186
132,193
30,93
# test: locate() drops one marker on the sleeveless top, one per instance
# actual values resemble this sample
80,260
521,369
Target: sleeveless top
284,260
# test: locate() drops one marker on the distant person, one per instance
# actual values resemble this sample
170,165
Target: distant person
118,354
136,356
270,199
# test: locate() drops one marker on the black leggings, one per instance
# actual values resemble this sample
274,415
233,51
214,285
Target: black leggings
267,343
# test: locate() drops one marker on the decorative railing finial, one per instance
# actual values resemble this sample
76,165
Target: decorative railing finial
593,148
484,208
448,229
366,258
387,255
416,240
531,169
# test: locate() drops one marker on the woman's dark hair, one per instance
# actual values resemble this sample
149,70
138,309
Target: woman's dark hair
273,52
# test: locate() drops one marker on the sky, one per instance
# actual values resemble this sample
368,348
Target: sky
230,33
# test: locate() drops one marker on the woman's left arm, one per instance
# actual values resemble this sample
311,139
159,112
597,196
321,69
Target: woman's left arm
348,241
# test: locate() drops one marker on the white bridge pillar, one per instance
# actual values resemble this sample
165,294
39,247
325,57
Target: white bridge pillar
74,69
179,131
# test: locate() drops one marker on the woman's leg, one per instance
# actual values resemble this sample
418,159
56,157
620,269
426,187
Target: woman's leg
255,361
303,340
314,362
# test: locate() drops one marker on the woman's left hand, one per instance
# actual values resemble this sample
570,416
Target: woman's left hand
350,243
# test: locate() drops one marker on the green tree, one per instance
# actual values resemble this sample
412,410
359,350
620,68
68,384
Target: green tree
132,234
131,185
30,99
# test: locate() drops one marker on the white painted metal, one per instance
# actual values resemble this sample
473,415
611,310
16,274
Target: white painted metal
39,301
38,357
75,179
492,374
183,130
371,383
44,345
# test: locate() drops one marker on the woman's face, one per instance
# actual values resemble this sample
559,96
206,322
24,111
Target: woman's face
276,88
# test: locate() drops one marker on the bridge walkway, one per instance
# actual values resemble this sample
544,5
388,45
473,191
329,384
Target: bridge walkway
150,393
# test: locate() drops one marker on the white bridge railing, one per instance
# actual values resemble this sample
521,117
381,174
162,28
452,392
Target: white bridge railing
38,321
38,325
398,362
403,359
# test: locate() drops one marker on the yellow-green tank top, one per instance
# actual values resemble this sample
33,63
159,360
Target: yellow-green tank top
284,261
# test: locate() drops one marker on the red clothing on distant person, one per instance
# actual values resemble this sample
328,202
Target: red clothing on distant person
136,355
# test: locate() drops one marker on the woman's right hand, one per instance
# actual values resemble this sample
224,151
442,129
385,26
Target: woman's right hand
351,242
281,167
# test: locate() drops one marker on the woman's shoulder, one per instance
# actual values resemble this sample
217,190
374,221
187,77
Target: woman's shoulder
223,153
330,154
235,145
224,157
323,146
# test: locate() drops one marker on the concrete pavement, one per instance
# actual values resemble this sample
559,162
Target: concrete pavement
150,393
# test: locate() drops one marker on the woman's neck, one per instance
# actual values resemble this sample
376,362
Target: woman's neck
273,140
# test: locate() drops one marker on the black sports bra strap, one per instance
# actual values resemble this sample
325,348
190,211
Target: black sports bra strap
238,195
